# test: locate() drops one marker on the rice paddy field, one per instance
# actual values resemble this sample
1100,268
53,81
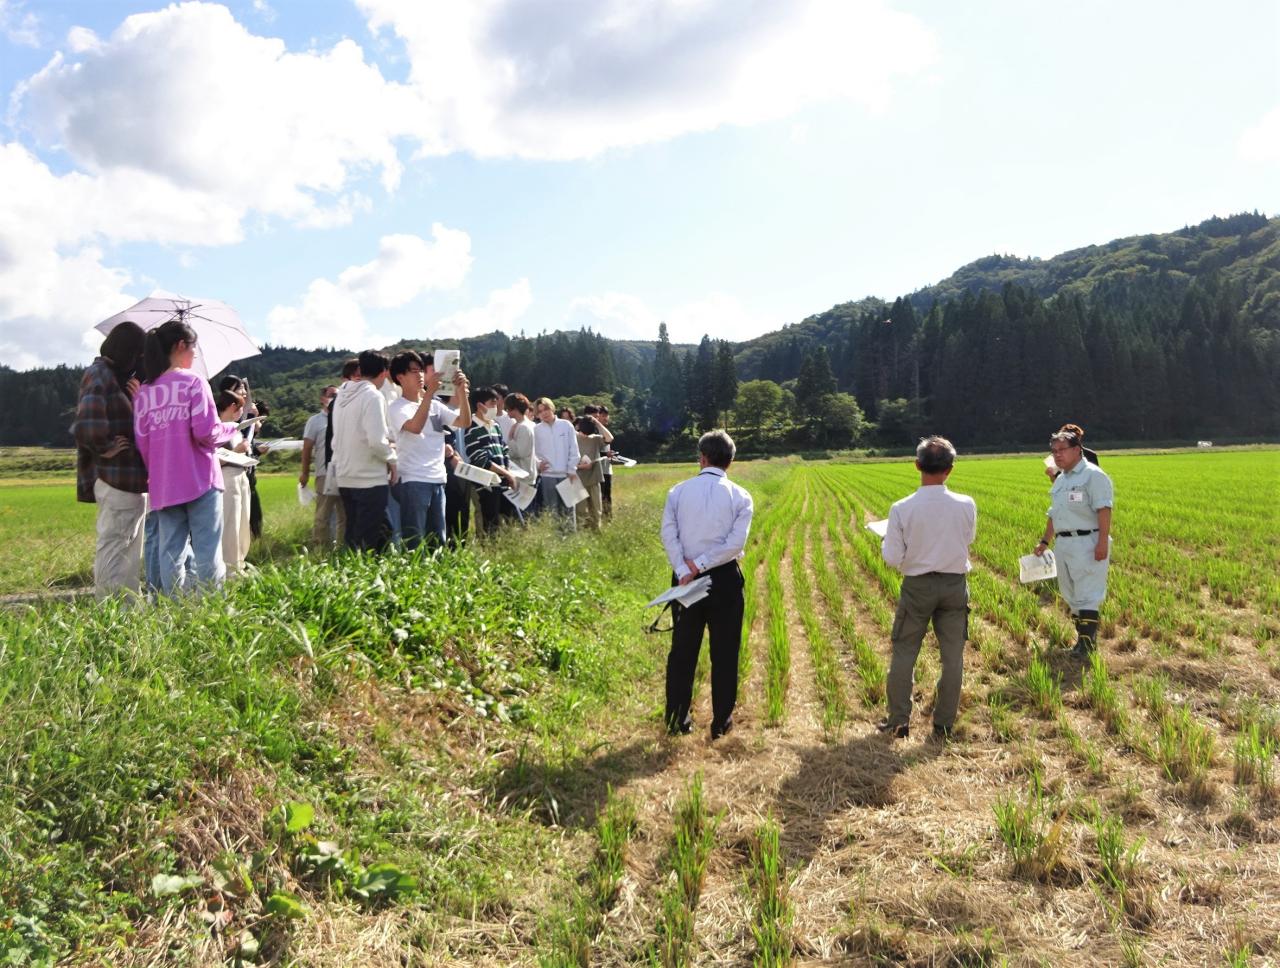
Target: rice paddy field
459,759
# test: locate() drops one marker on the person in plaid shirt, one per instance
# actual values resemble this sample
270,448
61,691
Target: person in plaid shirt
109,469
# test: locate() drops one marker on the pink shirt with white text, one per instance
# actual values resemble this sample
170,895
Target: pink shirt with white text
177,428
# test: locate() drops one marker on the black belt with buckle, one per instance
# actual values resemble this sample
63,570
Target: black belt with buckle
1076,534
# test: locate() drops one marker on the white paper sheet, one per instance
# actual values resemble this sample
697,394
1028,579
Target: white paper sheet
519,473
306,496
476,475
522,496
878,528
283,444
695,591
446,364
226,456
1037,567
571,492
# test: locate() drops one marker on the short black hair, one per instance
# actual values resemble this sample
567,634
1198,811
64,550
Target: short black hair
373,363
717,447
935,455
350,368
516,401
402,361
482,395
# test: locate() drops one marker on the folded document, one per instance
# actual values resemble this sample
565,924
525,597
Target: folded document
1037,567
695,591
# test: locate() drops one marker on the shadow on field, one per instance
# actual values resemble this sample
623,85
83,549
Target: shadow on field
573,791
833,778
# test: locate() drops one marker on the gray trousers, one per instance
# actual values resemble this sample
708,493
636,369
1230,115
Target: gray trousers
944,599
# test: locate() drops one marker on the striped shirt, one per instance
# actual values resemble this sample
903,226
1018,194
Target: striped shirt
485,446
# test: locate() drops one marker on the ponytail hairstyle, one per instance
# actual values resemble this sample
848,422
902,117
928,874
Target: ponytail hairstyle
228,386
123,349
160,343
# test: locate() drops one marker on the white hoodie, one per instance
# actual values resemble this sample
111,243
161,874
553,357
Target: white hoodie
361,436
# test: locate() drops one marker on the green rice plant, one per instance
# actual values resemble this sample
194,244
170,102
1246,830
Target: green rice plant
693,838
1032,833
1043,688
1086,752
1004,723
1152,693
826,665
868,666
773,915
1103,696
778,656
614,829
1118,868
1184,749
1253,758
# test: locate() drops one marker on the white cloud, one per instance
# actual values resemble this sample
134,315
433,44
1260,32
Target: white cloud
624,316
187,94
571,78
264,10
408,266
501,311
19,25
82,40
328,316
332,311
1261,143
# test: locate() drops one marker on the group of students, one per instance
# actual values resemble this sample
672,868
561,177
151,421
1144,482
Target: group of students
148,433
396,461
169,463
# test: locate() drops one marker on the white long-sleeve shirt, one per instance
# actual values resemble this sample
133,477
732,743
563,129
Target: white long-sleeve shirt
557,444
706,520
930,530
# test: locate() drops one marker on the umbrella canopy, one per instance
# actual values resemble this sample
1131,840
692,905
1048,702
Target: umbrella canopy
220,335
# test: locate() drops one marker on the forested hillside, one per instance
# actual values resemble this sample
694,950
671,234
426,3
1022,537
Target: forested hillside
1154,337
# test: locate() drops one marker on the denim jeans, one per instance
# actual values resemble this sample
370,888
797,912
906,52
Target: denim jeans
550,498
421,512
199,523
367,524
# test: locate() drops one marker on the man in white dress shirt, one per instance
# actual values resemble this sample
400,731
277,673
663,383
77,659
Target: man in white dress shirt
556,444
704,529
928,541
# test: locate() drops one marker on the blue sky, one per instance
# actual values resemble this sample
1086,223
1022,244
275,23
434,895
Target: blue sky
352,172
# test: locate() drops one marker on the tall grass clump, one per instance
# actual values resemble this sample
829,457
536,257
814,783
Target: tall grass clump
692,841
1102,695
1118,868
773,915
1253,756
1184,750
1031,832
1043,687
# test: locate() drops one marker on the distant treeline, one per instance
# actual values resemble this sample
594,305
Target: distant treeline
1156,337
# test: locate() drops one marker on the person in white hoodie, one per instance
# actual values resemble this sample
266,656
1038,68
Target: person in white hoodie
363,455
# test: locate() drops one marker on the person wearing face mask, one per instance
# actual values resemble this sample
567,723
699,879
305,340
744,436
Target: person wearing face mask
486,449
419,423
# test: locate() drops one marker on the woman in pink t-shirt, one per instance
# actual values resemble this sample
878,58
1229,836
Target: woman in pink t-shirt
178,429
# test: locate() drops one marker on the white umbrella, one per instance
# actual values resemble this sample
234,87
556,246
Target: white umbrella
220,335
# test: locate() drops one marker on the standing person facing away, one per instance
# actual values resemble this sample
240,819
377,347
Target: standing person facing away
363,456
928,540
1080,518
177,430
704,528
109,469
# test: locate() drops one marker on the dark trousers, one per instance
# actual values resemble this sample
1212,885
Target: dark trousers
367,525
457,509
721,612
944,601
494,508
606,494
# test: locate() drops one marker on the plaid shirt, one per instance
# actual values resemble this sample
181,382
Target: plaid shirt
104,413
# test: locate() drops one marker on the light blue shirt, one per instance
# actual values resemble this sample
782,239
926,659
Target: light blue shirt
706,520
1078,495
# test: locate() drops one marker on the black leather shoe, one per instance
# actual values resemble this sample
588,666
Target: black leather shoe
680,729
941,733
895,730
718,731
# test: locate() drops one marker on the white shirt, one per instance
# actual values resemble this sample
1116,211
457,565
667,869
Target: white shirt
314,431
930,531
557,444
706,520
522,447
421,455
